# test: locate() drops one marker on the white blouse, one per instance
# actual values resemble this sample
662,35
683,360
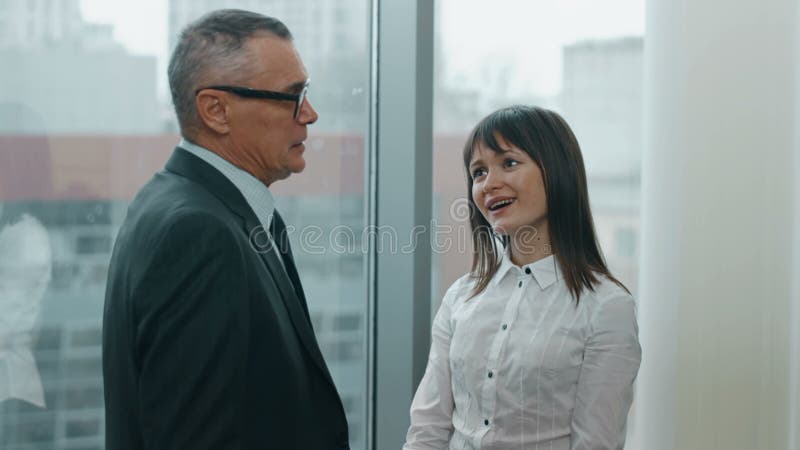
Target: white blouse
521,367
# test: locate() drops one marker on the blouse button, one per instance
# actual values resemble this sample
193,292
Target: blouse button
520,284
486,422
528,270
491,374
505,326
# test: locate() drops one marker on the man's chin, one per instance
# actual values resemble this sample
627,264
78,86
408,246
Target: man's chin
297,168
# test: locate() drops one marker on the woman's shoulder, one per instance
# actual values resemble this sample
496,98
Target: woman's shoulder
611,311
460,290
607,290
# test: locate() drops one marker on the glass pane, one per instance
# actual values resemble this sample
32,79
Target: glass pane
580,58
85,121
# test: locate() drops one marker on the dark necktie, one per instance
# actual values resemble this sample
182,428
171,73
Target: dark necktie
281,238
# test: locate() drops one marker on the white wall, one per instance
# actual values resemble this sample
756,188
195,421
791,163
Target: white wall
717,283
795,366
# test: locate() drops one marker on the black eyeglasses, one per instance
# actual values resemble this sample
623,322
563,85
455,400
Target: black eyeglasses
246,92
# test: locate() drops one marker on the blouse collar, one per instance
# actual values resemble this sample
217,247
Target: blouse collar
545,271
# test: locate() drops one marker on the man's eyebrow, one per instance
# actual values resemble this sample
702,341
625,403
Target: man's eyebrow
296,87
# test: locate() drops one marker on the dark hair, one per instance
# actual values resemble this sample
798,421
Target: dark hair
212,46
549,141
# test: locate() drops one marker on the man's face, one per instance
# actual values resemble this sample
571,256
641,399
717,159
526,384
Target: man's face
266,140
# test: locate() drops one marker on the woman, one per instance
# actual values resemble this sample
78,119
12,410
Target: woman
537,346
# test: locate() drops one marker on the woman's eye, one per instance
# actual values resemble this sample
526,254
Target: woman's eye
478,172
511,162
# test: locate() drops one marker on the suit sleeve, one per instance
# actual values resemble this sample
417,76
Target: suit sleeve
605,385
192,336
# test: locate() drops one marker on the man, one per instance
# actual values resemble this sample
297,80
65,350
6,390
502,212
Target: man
207,342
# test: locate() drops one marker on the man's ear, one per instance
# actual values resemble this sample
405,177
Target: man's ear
213,109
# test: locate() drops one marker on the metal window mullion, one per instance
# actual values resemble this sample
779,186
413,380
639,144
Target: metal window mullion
402,152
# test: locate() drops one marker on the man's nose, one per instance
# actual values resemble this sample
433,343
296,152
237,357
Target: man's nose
307,114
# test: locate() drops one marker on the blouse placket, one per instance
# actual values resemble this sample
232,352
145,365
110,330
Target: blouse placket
498,345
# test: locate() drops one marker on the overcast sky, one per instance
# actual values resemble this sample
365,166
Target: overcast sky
525,36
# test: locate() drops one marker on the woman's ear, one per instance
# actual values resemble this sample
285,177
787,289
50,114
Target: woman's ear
214,110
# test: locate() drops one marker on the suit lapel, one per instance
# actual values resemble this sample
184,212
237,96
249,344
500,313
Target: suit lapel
195,169
298,311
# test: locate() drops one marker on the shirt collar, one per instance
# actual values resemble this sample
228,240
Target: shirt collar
256,194
545,271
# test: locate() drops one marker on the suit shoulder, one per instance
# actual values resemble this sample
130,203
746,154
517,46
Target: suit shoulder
173,214
167,191
169,200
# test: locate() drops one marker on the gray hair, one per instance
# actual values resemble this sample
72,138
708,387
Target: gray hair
211,50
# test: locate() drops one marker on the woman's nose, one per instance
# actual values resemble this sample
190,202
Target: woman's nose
492,182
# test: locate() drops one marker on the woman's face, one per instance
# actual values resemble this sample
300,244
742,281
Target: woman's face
508,189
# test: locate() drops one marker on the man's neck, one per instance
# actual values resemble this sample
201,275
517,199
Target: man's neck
222,148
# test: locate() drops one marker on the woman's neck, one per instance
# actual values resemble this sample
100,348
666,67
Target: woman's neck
530,245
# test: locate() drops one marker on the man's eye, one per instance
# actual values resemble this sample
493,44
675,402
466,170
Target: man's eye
478,172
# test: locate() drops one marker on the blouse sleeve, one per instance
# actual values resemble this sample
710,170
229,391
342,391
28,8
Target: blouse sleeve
432,408
605,385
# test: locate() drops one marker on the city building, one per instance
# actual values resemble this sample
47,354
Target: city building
69,76
32,24
602,99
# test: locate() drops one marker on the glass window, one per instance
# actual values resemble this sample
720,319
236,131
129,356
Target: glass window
85,120
580,58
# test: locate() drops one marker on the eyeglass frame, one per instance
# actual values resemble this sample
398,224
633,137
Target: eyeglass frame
246,92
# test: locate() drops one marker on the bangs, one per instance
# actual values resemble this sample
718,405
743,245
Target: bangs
508,123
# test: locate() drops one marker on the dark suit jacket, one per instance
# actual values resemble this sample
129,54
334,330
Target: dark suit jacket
206,342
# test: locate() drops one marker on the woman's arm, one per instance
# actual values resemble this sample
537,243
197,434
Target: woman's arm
432,408
605,385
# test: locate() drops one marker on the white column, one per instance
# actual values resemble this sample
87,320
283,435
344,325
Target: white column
718,293
794,423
